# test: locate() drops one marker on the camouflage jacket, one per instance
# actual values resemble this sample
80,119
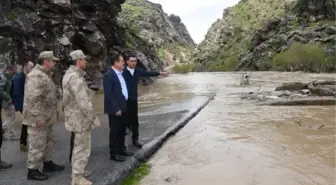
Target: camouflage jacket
40,101
77,101
6,83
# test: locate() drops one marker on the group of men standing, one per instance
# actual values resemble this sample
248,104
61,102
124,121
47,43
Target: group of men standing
11,100
38,105
121,103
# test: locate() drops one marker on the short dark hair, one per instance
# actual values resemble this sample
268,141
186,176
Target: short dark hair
26,60
130,56
10,67
115,58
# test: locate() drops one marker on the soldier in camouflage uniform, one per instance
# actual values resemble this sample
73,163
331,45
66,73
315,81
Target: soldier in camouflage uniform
6,91
80,117
3,96
40,114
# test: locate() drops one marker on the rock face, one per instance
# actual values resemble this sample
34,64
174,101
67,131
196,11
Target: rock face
252,33
28,27
164,32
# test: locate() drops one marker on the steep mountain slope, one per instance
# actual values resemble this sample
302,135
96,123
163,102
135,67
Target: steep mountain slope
165,32
251,35
30,26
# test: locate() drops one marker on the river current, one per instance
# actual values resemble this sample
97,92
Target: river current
234,142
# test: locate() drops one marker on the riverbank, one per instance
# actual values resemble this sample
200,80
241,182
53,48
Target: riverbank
157,124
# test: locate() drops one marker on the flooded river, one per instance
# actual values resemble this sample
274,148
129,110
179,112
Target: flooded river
234,142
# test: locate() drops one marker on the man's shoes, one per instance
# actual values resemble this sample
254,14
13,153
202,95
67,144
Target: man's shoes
36,175
23,148
4,165
137,144
117,158
125,153
52,167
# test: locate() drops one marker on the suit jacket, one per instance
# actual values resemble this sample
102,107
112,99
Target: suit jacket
114,100
18,90
133,80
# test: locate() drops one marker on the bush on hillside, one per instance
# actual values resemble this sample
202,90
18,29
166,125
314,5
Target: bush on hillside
304,57
183,68
199,68
228,65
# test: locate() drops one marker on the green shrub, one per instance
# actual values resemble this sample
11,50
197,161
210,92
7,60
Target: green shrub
228,64
306,57
137,175
199,68
12,16
183,68
160,52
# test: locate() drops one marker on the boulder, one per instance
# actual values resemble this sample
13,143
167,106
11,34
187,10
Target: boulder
291,86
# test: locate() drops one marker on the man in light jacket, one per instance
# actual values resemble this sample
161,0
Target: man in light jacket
40,115
80,117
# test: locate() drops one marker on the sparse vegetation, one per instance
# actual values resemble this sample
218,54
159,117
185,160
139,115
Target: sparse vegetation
242,21
306,57
137,175
183,68
227,65
12,16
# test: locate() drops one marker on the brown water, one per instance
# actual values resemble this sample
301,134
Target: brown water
234,142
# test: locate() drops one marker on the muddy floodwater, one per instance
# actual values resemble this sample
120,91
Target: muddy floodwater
235,142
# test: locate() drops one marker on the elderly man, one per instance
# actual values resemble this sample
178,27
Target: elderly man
40,114
18,94
80,117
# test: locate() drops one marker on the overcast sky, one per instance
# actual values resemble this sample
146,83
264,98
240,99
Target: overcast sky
197,15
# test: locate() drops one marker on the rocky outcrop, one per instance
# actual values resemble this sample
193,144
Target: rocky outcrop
317,88
315,10
229,37
309,22
252,33
165,32
297,93
28,27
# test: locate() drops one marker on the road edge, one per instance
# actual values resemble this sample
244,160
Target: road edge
152,147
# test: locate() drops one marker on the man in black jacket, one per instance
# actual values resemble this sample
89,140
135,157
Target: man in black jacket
18,96
131,75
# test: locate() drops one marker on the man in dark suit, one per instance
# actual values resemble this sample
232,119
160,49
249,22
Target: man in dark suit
115,97
18,96
131,75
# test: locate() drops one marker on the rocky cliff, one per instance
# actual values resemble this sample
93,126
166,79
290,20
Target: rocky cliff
30,26
165,32
271,35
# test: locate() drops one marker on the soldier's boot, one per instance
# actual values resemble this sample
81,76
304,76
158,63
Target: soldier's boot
80,180
36,175
4,165
23,148
52,167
